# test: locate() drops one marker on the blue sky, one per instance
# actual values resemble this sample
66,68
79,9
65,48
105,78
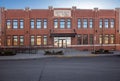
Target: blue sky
82,4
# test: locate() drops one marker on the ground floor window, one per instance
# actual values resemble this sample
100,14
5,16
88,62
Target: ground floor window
0,42
21,40
15,40
45,40
39,42
32,40
62,41
8,41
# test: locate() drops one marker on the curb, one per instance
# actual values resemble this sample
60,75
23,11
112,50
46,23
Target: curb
58,56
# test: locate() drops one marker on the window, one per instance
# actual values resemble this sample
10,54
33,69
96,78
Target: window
39,40
112,39
100,39
106,39
85,39
91,38
62,23
39,23
32,40
79,39
15,24
100,23
85,23
8,41
112,23
21,23
68,23
0,42
55,23
45,23
15,40
106,23
91,23
32,23
21,40
79,23
45,40
8,24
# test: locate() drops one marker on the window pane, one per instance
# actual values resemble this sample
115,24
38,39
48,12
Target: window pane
112,23
55,23
100,23
91,23
21,40
21,24
106,39
8,40
32,40
79,39
85,39
91,38
79,23
15,40
112,39
62,23
39,23
45,23
8,24
15,24
100,39
32,23
106,23
68,23
38,40
85,23
45,40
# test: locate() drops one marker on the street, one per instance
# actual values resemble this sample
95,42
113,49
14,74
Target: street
103,68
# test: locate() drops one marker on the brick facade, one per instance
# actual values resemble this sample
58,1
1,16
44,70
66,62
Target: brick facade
67,32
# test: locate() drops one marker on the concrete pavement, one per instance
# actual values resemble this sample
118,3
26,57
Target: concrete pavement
67,53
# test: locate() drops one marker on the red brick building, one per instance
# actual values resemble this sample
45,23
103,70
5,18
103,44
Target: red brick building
84,29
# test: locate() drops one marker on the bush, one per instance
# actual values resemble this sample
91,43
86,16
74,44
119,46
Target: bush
7,53
53,53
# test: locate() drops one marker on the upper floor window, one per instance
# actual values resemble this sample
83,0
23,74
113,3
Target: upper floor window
45,23
15,24
79,23
32,23
21,23
100,23
106,24
112,21
91,23
8,24
85,24
68,23
62,23
39,23
55,23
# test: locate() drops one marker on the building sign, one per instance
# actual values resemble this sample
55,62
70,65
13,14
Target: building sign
62,13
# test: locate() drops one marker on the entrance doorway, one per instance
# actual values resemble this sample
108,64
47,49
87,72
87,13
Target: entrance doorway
62,42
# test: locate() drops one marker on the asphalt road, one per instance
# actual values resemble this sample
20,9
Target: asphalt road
62,69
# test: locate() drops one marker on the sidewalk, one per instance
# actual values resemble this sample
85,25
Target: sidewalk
66,54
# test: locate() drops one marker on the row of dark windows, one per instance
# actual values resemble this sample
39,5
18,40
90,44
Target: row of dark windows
60,23
91,39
